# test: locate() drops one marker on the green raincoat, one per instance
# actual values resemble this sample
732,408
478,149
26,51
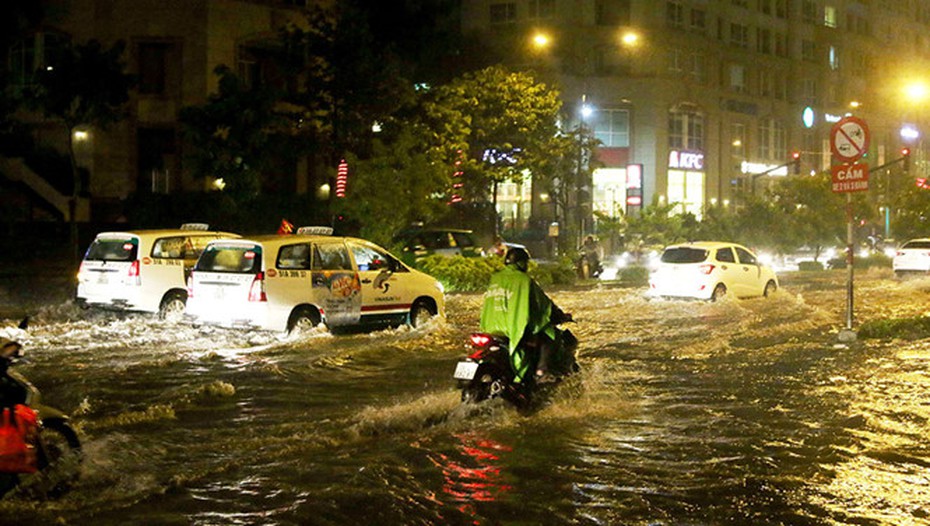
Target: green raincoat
515,305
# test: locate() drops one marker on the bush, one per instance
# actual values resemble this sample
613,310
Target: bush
461,274
810,265
873,260
634,276
906,328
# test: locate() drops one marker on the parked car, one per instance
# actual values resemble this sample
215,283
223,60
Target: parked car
288,282
143,270
709,270
912,257
421,242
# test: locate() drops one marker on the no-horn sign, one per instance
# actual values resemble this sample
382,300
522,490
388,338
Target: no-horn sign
849,139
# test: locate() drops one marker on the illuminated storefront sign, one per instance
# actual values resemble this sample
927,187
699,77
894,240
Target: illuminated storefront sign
760,168
683,160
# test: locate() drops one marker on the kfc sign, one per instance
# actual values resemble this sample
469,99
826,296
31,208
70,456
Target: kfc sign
686,160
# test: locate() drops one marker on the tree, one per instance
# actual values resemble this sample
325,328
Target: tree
229,135
84,87
504,121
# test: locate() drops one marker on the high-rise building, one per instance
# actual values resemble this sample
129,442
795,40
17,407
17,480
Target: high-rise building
698,101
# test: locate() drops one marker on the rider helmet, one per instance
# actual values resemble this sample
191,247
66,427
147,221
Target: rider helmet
519,257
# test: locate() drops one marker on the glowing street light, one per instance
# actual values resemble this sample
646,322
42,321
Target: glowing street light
916,91
541,40
630,39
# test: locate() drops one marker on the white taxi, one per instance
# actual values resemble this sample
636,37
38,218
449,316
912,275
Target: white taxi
912,257
288,282
709,270
143,270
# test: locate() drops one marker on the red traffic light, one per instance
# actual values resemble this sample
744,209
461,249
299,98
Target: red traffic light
795,155
905,151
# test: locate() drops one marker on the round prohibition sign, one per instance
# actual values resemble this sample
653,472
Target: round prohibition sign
849,139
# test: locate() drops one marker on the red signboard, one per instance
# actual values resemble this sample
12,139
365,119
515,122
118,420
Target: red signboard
850,177
849,139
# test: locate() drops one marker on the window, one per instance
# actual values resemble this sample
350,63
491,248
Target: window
737,138
675,15
686,191
503,13
772,140
725,255
809,50
809,11
294,257
685,129
745,257
829,16
698,67
809,90
763,41
674,60
766,83
29,54
369,259
739,36
153,67
738,78
698,20
541,8
781,44
833,59
612,127
331,256
781,8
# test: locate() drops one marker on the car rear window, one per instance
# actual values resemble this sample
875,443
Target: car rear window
684,255
244,259
463,239
113,249
917,244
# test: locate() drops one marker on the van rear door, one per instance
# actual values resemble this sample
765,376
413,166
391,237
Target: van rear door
111,264
226,274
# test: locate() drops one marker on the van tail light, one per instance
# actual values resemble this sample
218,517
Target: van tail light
706,269
257,290
133,273
80,274
190,286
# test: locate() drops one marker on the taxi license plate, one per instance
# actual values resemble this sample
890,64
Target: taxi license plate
465,370
102,279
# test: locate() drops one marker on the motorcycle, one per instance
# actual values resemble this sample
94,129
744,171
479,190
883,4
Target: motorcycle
486,373
57,449
588,266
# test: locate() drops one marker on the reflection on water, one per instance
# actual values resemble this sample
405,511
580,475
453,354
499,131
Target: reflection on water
736,412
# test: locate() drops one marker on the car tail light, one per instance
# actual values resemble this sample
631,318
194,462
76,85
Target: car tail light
706,269
190,286
899,253
133,273
257,290
480,339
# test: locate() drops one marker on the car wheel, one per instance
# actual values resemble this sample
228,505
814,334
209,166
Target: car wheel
303,319
172,306
420,313
770,289
719,292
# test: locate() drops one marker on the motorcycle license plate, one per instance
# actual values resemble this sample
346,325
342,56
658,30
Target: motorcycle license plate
465,370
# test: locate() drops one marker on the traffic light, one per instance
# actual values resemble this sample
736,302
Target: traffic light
796,163
906,159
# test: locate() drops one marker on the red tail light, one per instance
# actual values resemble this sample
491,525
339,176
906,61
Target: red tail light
480,339
706,269
190,286
133,273
257,290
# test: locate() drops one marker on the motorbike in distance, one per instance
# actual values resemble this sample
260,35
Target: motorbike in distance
487,373
56,445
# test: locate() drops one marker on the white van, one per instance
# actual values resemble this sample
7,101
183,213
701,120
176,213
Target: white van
287,282
143,270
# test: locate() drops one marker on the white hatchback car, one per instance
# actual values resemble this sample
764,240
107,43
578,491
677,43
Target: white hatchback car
288,282
143,270
912,257
709,270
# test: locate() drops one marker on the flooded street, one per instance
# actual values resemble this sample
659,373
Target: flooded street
736,412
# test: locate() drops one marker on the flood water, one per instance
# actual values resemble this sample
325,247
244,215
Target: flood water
737,412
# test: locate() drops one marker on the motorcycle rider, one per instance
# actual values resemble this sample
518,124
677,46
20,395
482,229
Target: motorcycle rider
11,392
591,252
516,306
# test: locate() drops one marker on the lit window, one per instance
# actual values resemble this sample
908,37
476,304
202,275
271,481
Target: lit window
829,16
612,128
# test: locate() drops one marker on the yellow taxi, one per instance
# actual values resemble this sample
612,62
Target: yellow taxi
143,270
294,282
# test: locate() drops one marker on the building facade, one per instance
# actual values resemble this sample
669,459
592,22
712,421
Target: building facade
172,49
696,102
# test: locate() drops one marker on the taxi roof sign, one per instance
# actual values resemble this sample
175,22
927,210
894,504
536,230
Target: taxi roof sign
195,226
315,231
